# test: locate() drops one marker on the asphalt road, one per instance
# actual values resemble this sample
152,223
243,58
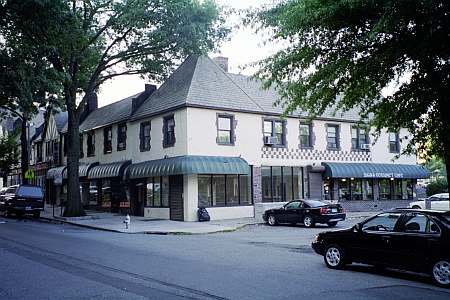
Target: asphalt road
40,260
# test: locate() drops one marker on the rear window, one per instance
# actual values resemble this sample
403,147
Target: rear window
30,191
11,190
315,203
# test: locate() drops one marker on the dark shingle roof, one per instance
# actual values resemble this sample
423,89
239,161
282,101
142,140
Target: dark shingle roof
109,114
200,82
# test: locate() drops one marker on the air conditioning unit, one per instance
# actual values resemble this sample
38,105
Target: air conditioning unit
365,146
271,140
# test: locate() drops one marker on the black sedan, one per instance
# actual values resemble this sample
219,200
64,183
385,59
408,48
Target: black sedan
308,212
407,239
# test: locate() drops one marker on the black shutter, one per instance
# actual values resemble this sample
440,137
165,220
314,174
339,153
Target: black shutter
141,137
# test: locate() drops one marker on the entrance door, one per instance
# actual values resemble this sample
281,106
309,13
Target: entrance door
176,198
141,194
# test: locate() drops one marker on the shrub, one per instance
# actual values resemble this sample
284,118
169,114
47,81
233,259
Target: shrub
438,186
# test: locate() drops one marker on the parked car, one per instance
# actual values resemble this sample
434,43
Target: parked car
308,212
407,239
437,201
22,199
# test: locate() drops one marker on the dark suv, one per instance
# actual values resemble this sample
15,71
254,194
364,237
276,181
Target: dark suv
22,199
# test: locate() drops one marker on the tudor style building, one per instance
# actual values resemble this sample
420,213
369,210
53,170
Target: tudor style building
209,138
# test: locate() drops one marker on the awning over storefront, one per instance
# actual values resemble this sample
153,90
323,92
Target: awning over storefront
83,170
190,164
370,170
56,174
108,170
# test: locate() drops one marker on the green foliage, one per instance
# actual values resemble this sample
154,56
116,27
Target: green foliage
9,151
344,54
440,185
436,166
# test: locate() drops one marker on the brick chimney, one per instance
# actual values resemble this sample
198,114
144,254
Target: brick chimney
222,62
139,100
91,105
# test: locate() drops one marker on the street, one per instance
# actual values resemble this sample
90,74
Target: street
40,260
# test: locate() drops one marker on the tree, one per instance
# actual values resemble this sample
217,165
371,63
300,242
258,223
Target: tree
91,41
10,156
345,54
26,83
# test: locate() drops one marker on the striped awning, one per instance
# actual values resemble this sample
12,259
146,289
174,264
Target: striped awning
83,170
371,170
56,174
189,164
108,170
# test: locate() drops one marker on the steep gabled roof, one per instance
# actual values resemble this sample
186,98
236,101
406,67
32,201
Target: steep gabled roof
112,113
200,82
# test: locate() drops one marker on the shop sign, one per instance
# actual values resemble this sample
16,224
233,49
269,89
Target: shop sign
125,204
30,175
382,175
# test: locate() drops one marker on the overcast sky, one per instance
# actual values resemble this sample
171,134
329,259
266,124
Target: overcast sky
243,48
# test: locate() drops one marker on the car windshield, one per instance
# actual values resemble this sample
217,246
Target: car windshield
30,191
11,190
315,203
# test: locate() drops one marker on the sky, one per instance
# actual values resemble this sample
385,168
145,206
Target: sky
243,48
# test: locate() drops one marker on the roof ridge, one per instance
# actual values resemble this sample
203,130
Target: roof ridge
121,100
237,85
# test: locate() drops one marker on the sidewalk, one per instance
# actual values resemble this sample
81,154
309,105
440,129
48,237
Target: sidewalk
114,222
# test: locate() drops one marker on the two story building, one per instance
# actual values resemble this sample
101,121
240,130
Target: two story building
210,138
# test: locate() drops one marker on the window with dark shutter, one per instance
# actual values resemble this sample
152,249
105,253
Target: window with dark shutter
144,136
107,140
305,135
333,137
225,130
81,146
91,143
121,137
169,131
394,142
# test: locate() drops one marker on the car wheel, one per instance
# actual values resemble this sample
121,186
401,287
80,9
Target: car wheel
271,220
441,273
36,214
332,224
308,221
334,257
416,207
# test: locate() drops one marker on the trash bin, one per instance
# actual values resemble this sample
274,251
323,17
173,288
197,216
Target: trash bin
203,215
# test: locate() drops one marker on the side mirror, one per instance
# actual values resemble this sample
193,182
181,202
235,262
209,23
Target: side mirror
357,227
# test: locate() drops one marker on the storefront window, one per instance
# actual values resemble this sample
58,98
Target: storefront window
327,188
149,198
343,189
409,189
245,191
266,184
385,189
218,187
287,183
356,189
276,184
157,191
93,193
297,179
165,191
398,194
204,190
232,187
367,186
106,193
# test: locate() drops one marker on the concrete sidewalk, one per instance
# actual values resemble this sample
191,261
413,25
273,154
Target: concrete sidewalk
114,222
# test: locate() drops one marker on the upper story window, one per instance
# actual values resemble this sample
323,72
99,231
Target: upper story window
81,146
144,136
333,137
90,143
121,137
394,142
169,131
305,135
360,138
107,140
274,133
225,130
56,151
39,152
48,150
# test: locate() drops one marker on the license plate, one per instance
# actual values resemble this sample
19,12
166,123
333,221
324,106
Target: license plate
28,208
334,210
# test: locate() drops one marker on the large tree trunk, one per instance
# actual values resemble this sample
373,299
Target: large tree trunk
24,159
445,115
74,207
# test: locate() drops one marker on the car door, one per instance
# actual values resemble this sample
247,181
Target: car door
441,203
292,212
371,242
412,244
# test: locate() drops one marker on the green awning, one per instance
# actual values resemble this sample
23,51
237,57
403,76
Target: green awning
370,170
108,170
56,174
190,164
83,170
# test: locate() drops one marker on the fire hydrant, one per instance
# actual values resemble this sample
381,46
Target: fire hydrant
127,221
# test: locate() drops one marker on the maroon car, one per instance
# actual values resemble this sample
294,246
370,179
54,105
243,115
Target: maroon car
308,212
